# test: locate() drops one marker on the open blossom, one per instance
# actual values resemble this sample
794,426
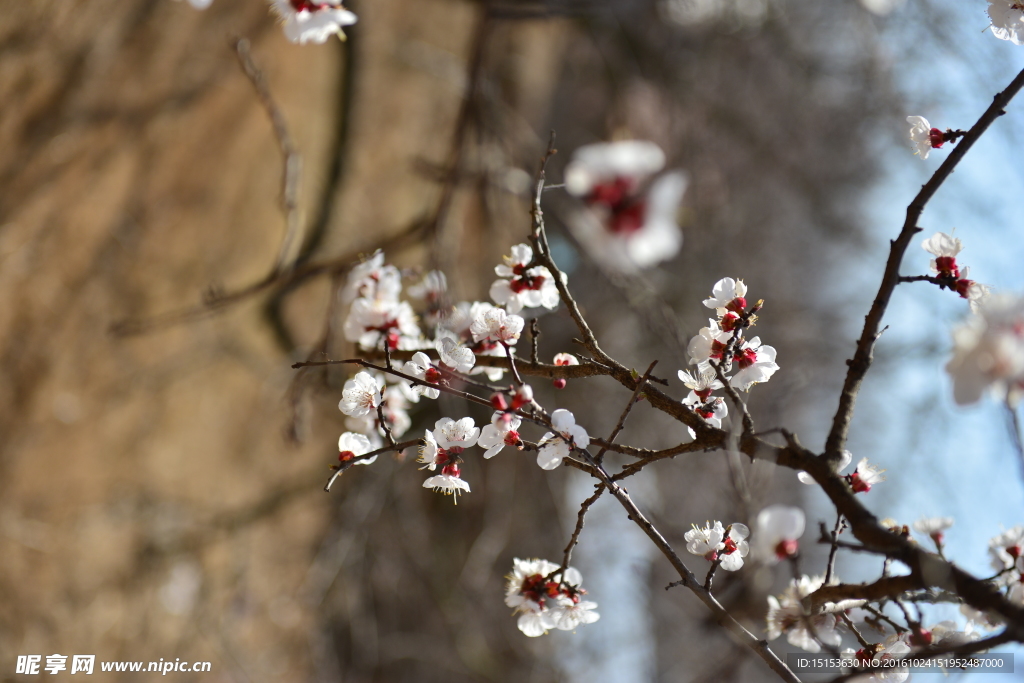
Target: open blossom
625,226
546,599
1007,20
431,288
713,410
845,458
370,321
988,349
933,527
457,326
421,368
372,279
351,446
864,476
756,364
500,433
307,21
522,287
709,343
554,446
456,433
777,532
924,137
786,616
728,295
702,382
361,395
497,325
456,357
1006,548
945,249
449,482
716,543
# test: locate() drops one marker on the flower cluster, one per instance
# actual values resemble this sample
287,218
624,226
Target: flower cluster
629,221
547,597
721,343
775,538
786,615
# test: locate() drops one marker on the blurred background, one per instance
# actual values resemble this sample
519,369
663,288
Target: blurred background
161,465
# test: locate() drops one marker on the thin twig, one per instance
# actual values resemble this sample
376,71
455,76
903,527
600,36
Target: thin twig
341,469
625,412
574,539
830,568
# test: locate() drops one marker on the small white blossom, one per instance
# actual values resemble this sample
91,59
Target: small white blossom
500,433
351,446
566,359
371,279
371,320
945,249
702,382
361,395
497,325
457,357
312,22
756,362
709,343
728,295
777,532
547,600
1007,20
554,447
865,476
448,482
713,410
432,287
522,287
421,368
1006,548
456,434
716,543
923,136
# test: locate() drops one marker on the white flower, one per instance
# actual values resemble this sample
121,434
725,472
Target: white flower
785,615
371,279
756,362
421,368
988,349
306,21
351,446
709,343
923,135
448,482
706,541
361,395
845,458
1006,548
1007,20
457,357
702,382
865,476
553,448
933,527
566,359
728,295
522,287
371,320
716,543
777,531
456,434
944,248
500,433
893,648
457,325
946,634
713,410
625,228
200,4
567,615
429,453
497,325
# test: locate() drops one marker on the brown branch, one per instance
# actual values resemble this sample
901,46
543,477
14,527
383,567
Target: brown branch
625,412
889,587
345,466
861,361
574,539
